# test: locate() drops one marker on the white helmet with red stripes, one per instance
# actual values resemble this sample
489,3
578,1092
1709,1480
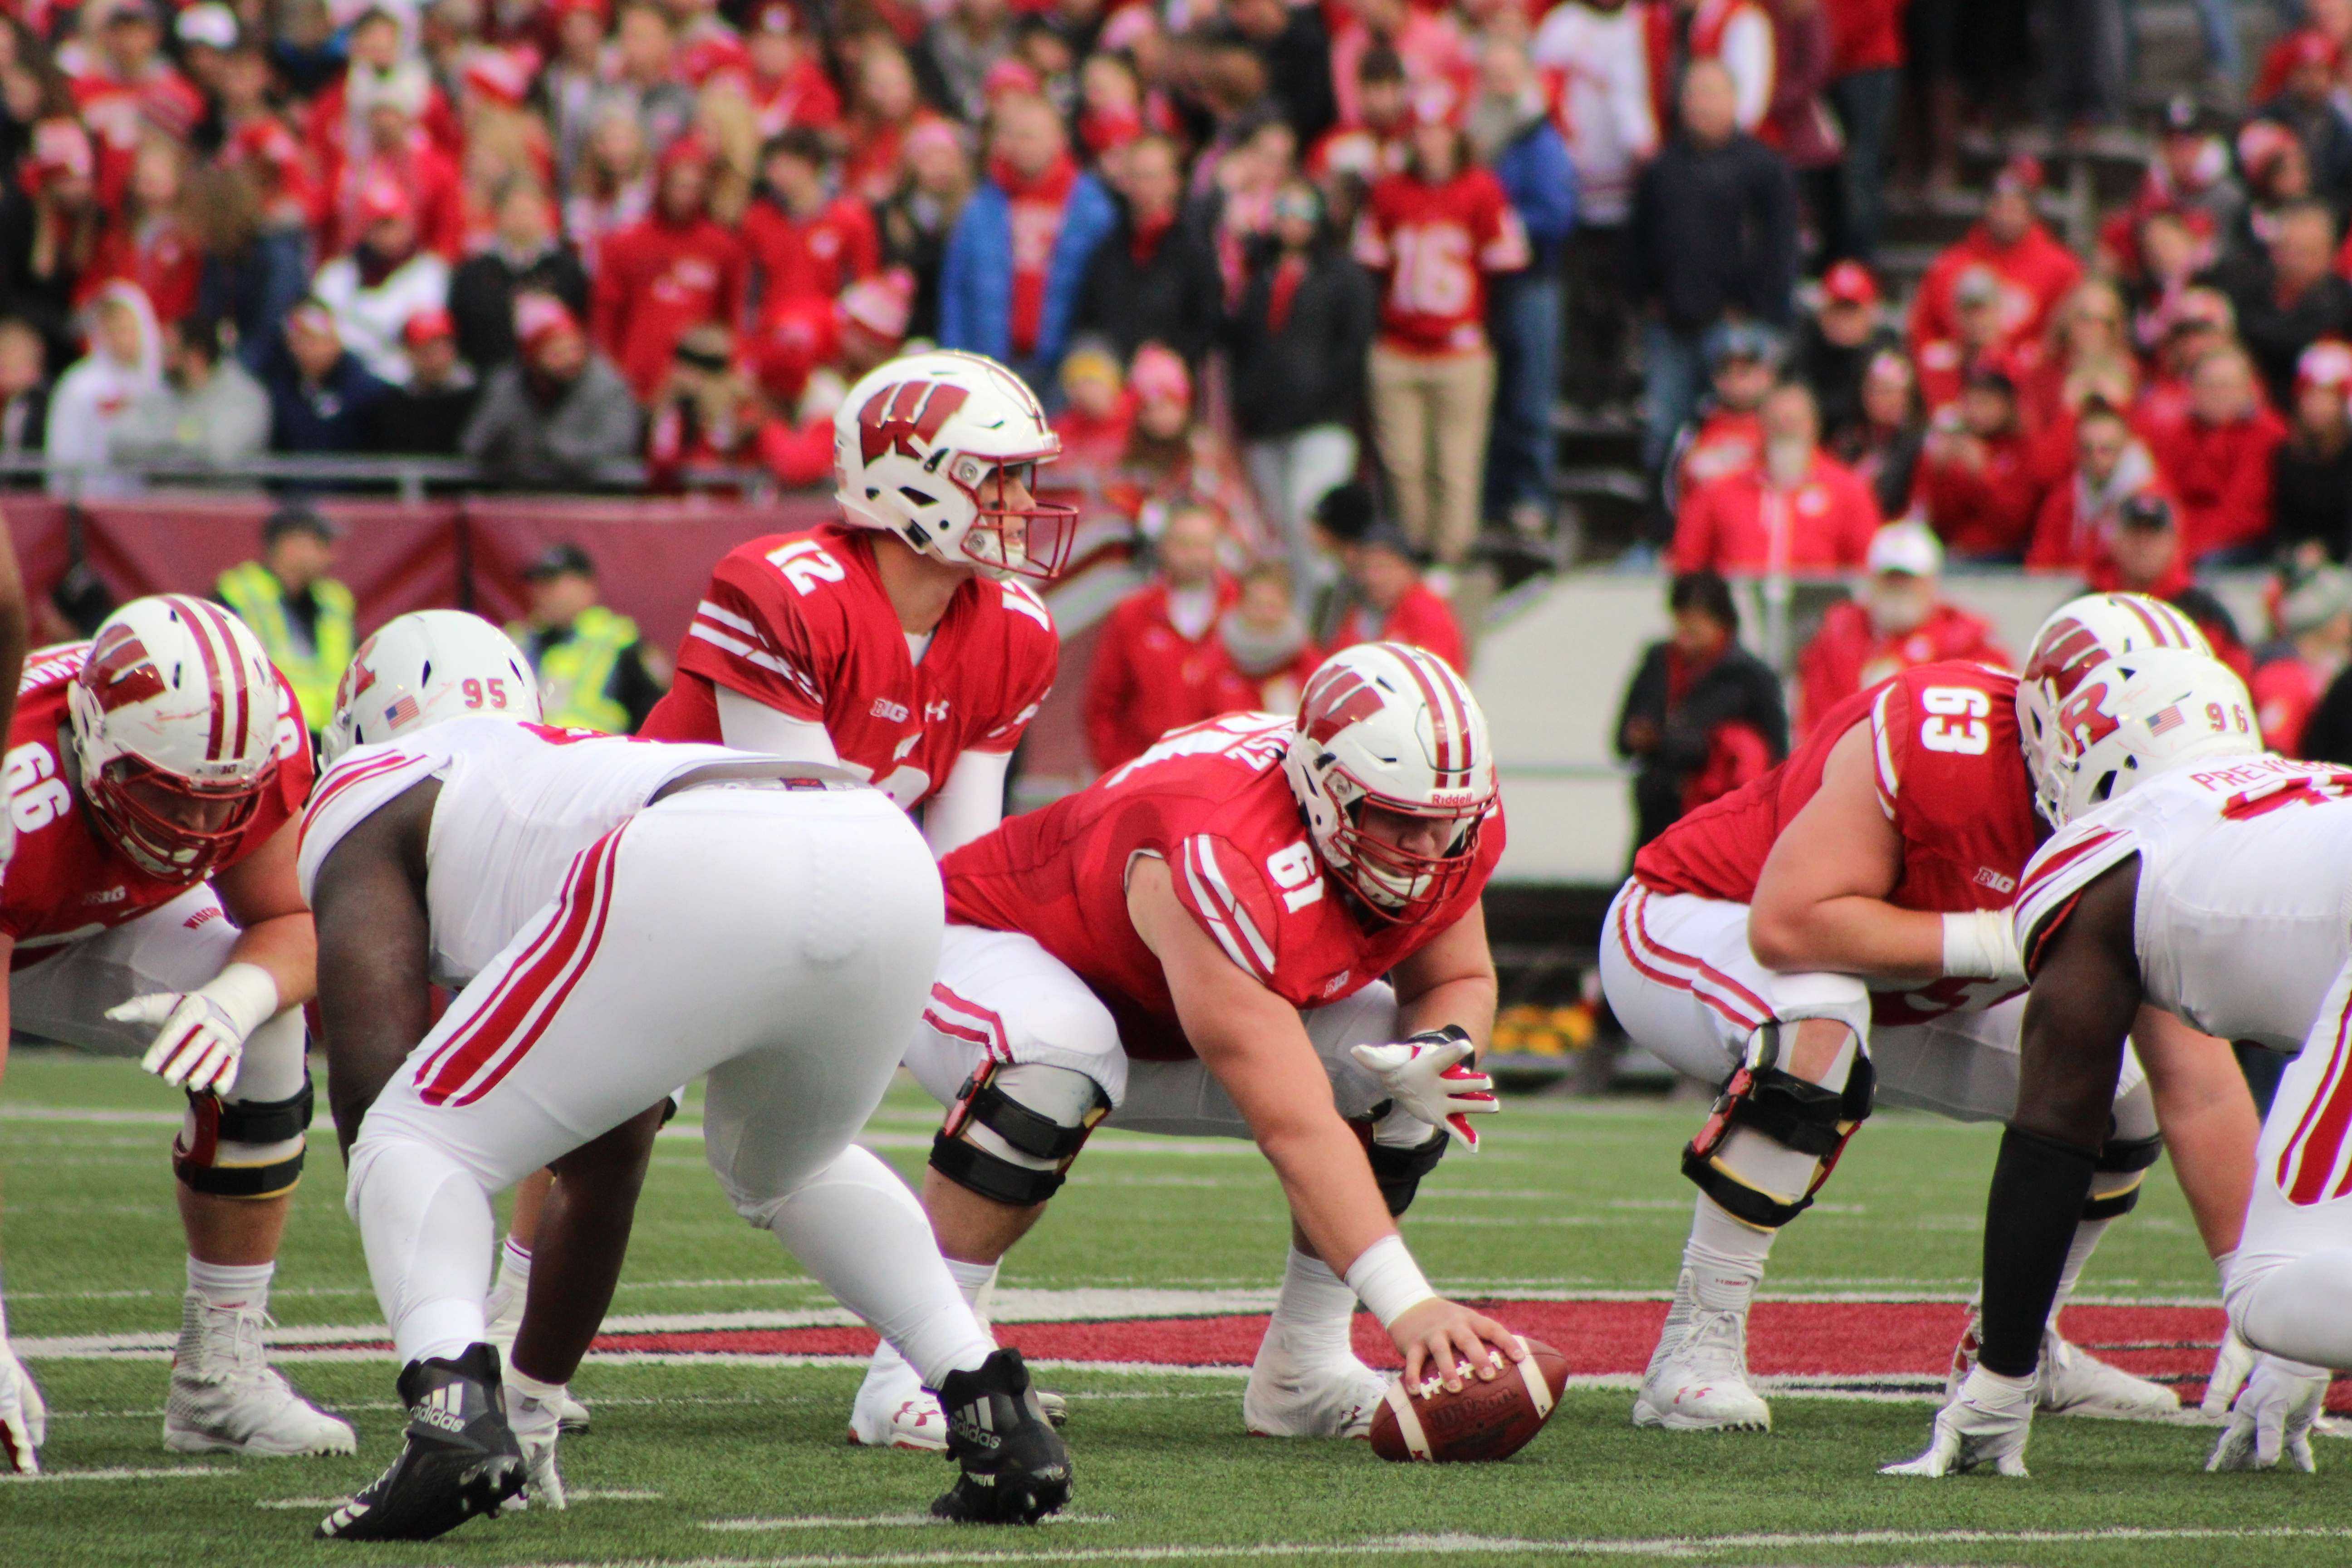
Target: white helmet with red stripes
2082,636
2135,717
1392,726
177,731
423,668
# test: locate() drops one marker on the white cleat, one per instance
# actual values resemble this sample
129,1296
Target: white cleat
228,1399
502,1314
1330,1399
2071,1381
1697,1380
894,1410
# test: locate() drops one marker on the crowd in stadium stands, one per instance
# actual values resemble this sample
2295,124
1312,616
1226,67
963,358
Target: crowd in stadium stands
1302,285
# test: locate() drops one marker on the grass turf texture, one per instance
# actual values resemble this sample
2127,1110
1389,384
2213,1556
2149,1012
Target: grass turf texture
690,1459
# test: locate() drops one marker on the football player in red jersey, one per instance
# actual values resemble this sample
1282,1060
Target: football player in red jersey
898,643
1839,927
1194,945
150,906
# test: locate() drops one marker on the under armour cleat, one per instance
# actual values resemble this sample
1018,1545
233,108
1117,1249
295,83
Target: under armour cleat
894,1410
503,1311
459,1456
2071,1381
1331,1397
1697,1378
1015,1470
226,1398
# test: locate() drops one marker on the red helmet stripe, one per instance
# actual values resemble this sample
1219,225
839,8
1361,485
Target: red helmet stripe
186,608
1444,716
2162,634
242,731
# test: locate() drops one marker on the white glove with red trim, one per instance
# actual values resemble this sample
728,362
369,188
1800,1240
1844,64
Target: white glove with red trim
202,1036
1428,1077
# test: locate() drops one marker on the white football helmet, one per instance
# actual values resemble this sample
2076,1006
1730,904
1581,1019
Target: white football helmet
2132,718
423,668
922,446
2079,636
1393,725
177,731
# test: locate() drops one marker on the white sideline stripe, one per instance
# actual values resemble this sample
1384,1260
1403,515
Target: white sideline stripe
883,1522
571,1494
159,1474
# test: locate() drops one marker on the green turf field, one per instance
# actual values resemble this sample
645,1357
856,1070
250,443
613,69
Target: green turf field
739,1460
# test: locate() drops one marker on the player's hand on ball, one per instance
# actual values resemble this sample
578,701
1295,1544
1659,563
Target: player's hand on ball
1430,1076
1447,1342
2272,1417
2230,1365
198,1045
1987,1423
23,1419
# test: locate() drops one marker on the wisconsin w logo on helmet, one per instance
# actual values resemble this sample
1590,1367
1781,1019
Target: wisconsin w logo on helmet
904,414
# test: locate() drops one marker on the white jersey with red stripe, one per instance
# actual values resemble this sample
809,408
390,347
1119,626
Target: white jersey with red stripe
517,804
2244,912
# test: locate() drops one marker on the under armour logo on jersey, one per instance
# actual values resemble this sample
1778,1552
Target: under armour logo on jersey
905,413
119,671
934,710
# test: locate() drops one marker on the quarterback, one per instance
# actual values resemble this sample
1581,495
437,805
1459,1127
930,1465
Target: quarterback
621,917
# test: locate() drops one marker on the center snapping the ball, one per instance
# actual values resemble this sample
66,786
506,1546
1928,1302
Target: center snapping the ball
1482,1423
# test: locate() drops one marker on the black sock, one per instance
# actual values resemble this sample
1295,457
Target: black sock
2039,1187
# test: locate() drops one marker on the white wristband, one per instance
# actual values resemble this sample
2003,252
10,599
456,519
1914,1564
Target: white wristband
1387,1280
247,992
1981,944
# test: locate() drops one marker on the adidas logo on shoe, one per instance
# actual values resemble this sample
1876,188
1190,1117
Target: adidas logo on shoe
445,1407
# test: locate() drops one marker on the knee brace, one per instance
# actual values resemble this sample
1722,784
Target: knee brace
2123,1165
1014,1129
244,1148
1808,1122
1398,1171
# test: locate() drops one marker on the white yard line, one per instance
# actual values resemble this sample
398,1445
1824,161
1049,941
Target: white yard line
878,1522
159,1474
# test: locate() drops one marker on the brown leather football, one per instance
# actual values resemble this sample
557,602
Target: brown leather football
1482,1423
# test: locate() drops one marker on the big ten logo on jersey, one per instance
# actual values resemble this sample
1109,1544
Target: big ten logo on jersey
1955,720
806,565
37,795
1258,740
1298,872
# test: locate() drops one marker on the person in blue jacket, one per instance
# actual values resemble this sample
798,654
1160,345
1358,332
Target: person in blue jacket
1511,128
1019,252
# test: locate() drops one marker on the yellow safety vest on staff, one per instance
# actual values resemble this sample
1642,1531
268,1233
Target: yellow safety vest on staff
259,599
576,674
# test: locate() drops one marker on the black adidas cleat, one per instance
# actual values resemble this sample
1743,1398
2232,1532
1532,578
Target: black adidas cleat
1015,1470
458,1457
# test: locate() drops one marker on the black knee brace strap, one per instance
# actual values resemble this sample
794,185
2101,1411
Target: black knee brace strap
992,1175
1398,1171
196,1160
2121,1156
1793,1114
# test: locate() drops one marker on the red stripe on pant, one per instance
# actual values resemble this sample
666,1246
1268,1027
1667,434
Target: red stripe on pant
1633,955
482,1036
1762,1009
2309,1157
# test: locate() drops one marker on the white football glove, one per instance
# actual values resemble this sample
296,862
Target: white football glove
537,1423
2230,1365
2272,1417
1428,1078
201,1033
24,1418
1987,1423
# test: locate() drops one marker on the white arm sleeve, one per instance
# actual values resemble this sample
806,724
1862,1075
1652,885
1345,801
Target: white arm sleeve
969,803
749,725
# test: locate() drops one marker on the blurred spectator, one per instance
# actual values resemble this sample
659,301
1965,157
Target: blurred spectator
2305,105
2144,555
1715,245
2311,472
1797,122
306,620
613,187
146,239
206,409
1391,603
675,269
1435,233
1268,654
1172,456
787,86
2034,270
2174,251
1883,449
2189,181
1153,279
550,415
2089,360
1980,342
2278,174
885,111
396,146
256,251
918,213
1702,715
2076,523
1737,34
1098,413
968,41
1976,484
1426,40
1865,75
23,387
384,283
2216,460
428,415
1158,663
707,411
643,78
1600,52
595,671
1511,131
124,363
1833,347
1292,42
1014,263
1299,340
1370,142
1795,510
2200,322
1900,619
49,225
321,396
803,240
523,254
2290,298
2087,42
2316,620
1725,434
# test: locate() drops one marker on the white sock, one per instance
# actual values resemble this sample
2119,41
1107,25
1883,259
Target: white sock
974,1279
514,1269
427,1225
2078,1253
1315,1311
1726,1257
230,1284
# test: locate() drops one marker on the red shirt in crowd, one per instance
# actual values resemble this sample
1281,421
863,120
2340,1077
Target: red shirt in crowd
654,280
1739,523
1850,655
2065,539
2035,274
1727,441
2220,475
1275,691
1148,678
821,255
158,255
1985,510
437,192
2284,691
1865,35
802,96
1422,618
1037,207
1436,244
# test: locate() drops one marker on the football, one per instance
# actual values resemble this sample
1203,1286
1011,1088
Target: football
1482,1423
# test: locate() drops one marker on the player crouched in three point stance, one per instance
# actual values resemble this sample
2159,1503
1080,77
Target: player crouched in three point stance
622,918
150,909
2193,874
1834,934
1193,946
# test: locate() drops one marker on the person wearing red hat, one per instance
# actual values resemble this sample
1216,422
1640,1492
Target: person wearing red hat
2305,104
2216,458
1831,348
128,85
385,281
428,415
1796,508
2034,269
395,145
2311,472
550,415
708,46
803,240
1977,485
675,269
